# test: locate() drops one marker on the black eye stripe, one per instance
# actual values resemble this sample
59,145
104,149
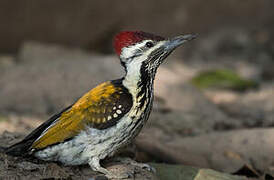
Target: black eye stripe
149,44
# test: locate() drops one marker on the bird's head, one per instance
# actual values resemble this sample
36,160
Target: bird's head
141,51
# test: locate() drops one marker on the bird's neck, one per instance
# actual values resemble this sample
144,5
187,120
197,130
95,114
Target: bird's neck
139,81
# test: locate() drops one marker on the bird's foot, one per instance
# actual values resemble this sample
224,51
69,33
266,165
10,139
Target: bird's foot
94,164
134,163
112,176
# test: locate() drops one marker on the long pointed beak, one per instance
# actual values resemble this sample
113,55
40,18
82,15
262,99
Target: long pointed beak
173,43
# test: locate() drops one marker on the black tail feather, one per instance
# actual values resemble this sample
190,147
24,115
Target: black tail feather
19,149
2,149
23,147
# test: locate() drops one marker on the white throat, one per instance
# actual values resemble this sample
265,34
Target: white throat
133,76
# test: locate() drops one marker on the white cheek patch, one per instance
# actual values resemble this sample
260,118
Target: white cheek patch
149,51
134,65
128,52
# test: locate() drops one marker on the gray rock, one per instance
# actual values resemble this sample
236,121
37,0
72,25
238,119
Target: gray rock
223,151
171,172
48,78
254,108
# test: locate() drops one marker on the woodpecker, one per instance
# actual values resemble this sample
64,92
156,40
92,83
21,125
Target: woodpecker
110,115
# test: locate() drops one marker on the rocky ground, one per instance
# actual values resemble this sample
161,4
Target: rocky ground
219,127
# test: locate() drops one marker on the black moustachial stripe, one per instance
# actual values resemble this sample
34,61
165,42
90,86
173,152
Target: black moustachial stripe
147,75
146,85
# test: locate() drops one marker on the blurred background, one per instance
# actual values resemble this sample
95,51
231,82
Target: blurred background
214,104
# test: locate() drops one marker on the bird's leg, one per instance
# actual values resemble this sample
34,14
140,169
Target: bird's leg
94,163
130,161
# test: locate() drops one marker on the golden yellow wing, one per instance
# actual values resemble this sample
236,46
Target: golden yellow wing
100,108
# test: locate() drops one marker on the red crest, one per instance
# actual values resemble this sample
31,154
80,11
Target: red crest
127,38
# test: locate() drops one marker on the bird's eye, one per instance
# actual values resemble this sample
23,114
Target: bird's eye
149,44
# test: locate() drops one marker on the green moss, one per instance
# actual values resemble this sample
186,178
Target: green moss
3,118
222,78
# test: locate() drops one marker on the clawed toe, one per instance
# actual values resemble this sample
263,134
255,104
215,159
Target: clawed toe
120,175
130,174
134,163
147,167
112,175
